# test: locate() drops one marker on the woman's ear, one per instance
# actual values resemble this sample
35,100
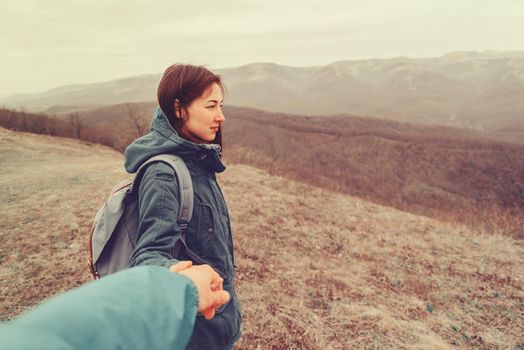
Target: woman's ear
178,110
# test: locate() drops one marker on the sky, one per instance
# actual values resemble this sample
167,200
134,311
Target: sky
49,43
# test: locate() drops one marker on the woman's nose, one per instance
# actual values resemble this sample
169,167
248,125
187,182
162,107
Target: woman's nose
220,116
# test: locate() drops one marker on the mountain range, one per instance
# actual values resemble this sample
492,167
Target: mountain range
477,90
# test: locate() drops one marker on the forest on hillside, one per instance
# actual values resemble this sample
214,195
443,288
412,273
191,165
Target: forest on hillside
450,174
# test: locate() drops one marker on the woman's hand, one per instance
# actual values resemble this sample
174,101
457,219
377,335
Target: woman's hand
209,285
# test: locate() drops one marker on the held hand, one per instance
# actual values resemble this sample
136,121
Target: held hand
209,284
181,265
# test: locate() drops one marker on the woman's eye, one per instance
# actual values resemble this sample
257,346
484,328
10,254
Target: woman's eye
210,107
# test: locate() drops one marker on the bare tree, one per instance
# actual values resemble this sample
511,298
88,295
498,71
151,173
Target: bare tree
136,123
24,126
78,123
12,123
50,125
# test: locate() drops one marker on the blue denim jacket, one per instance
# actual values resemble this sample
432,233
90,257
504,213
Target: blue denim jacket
209,233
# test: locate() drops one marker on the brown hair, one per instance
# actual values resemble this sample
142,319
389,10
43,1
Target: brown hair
185,83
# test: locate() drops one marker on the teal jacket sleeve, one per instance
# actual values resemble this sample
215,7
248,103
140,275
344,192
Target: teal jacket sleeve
145,307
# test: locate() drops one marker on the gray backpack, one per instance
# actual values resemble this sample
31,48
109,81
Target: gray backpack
110,240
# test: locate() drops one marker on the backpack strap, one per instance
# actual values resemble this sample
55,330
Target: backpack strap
185,189
185,185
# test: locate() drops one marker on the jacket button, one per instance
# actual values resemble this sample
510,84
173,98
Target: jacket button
210,231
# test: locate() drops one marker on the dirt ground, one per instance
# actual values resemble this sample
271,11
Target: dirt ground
316,269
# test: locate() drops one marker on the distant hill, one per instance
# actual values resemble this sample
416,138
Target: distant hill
462,89
316,269
87,96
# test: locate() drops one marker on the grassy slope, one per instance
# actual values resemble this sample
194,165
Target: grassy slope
50,189
316,269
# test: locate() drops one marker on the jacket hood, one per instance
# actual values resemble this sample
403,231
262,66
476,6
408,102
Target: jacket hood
163,139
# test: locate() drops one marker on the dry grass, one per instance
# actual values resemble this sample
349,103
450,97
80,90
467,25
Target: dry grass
316,269
321,270
49,189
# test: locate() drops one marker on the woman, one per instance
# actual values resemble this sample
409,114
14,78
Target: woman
188,124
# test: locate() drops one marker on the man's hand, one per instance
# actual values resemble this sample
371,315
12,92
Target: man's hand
209,284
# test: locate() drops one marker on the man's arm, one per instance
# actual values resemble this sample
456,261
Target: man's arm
140,308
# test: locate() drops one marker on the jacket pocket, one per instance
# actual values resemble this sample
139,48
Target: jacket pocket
206,230
209,242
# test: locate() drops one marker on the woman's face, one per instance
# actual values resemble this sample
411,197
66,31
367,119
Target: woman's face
205,114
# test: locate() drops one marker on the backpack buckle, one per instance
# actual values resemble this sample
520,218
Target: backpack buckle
92,269
184,226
